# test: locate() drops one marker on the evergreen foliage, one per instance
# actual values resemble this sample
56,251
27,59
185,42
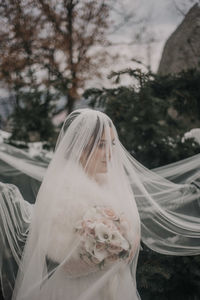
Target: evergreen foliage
151,117
163,277
144,114
31,119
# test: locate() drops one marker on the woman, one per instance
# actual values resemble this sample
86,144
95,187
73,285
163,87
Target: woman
84,232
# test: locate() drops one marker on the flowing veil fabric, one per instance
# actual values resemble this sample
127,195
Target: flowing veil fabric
94,205
14,227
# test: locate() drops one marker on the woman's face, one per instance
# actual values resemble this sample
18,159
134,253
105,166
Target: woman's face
98,161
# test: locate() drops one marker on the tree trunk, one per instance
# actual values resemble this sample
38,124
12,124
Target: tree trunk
70,103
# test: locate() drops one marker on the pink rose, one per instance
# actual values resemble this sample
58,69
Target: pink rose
115,249
110,214
108,223
112,258
100,246
88,227
95,260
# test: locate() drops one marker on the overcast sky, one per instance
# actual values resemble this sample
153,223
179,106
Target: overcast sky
161,19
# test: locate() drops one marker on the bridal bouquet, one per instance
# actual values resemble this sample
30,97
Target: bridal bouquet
103,235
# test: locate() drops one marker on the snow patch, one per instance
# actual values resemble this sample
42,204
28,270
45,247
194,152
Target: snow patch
193,133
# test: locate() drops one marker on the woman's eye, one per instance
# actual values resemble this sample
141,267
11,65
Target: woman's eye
102,145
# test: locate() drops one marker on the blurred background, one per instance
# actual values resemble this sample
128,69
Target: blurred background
136,60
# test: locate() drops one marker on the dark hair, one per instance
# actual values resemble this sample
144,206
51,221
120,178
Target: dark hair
93,138
72,117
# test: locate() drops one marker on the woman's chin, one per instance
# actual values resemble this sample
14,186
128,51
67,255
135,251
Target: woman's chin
103,169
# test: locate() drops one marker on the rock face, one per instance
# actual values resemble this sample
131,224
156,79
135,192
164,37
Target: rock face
182,49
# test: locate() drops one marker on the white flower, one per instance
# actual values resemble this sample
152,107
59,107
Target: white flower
118,240
90,245
100,255
85,227
109,213
103,232
114,249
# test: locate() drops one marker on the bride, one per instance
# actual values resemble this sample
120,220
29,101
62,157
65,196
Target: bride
81,239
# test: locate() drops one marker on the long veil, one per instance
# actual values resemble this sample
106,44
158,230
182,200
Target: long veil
95,203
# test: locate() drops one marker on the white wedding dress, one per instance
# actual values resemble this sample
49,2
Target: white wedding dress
90,169
112,283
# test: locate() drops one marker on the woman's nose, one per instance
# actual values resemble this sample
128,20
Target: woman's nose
107,154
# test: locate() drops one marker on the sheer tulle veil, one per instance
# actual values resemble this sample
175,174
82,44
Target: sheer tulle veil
95,204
